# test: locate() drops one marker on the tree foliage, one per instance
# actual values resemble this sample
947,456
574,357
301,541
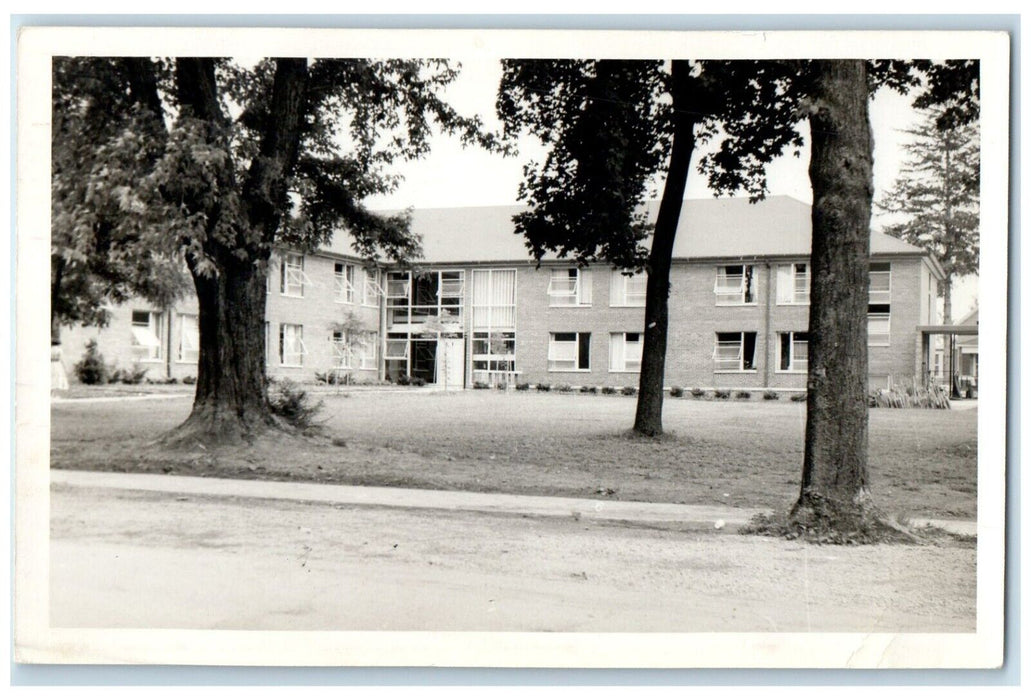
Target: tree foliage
936,197
101,145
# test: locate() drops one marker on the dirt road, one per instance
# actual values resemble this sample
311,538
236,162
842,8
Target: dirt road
155,560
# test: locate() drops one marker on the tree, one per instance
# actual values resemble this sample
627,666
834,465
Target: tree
834,468
250,158
615,127
94,263
937,196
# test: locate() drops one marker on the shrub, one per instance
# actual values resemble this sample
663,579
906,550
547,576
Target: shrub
332,376
676,391
134,375
418,381
523,386
114,375
912,397
501,386
481,385
563,388
544,387
770,395
801,396
91,368
697,393
721,394
189,380
291,402
403,379
588,390
743,395
608,390
629,391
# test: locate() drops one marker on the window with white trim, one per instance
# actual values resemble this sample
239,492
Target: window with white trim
147,334
570,286
292,277
367,357
189,338
342,351
734,285
878,313
628,290
494,352
291,345
372,290
625,350
494,300
569,352
793,283
343,283
793,353
735,352
397,347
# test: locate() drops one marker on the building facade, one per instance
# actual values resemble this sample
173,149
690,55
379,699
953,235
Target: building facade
476,311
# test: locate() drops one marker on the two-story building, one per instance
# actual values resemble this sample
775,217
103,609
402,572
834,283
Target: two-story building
477,309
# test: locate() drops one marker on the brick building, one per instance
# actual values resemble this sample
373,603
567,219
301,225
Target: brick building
476,309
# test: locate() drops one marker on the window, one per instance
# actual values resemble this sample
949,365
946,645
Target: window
794,352
734,285
793,284
291,345
147,335
625,352
735,352
189,338
878,313
494,352
372,290
397,347
368,351
628,290
343,283
342,351
569,352
494,300
399,286
292,276
569,286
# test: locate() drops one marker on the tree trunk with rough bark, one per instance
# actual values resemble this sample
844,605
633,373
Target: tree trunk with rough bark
648,420
231,404
834,475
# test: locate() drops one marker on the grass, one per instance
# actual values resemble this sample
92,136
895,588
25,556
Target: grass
745,454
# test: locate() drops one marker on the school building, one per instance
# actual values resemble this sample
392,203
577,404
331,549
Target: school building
476,309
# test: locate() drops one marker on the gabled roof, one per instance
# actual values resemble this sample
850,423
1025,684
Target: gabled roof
968,342
709,229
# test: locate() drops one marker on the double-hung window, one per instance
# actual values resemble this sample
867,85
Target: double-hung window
569,352
569,286
147,334
793,283
879,309
628,290
291,271
342,351
735,352
291,345
343,283
794,352
734,285
625,351
189,338
367,358
372,290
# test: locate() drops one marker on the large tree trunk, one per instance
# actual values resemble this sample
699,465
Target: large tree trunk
231,404
648,420
834,473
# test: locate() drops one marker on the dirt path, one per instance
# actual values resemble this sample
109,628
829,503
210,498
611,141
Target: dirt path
129,559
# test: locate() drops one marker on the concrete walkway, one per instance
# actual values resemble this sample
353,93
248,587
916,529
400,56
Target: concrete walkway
664,515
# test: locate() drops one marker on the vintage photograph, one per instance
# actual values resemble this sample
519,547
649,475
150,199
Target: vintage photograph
464,333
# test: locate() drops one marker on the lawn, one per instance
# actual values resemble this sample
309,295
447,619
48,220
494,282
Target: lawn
741,453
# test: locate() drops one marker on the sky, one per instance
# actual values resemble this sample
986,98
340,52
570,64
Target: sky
453,176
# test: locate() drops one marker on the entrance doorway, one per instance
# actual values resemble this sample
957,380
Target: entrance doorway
424,360
450,363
